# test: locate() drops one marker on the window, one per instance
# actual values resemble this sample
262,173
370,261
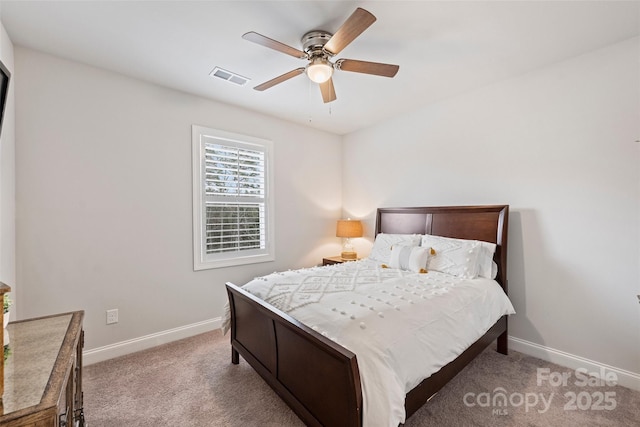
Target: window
232,203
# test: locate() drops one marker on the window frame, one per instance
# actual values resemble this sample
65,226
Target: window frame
202,260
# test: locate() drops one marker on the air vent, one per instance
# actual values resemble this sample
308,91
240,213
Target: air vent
228,76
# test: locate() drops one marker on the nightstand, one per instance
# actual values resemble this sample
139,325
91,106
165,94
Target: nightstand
335,260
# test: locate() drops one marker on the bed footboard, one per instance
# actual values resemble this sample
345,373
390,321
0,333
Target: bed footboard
430,386
316,377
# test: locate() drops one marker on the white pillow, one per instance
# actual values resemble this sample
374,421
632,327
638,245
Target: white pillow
494,270
381,250
411,258
457,257
485,261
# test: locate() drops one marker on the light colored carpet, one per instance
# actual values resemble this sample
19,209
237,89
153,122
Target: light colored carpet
193,383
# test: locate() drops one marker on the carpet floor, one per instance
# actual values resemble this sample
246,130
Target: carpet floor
192,383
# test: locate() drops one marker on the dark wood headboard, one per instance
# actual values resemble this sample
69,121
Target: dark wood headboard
487,223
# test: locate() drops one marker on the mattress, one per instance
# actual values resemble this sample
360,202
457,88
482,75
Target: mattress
402,326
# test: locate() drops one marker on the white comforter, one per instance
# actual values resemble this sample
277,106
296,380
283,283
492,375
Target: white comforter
402,326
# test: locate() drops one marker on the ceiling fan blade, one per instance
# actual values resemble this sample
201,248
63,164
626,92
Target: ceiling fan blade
328,91
252,36
279,79
359,21
366,67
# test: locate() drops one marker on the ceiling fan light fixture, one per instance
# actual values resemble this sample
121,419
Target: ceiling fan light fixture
319,70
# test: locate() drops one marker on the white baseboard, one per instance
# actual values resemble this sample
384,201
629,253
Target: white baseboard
625,378
110,351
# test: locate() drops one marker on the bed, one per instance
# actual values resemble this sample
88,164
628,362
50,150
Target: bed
321,379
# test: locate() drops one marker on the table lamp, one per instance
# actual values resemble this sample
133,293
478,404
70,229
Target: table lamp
347,229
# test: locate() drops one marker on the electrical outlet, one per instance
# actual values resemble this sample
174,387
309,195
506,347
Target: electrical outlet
112,316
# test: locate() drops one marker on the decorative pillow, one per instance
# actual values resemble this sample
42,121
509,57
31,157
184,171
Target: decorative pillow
411,258
485,261
494,270
457,257
381,250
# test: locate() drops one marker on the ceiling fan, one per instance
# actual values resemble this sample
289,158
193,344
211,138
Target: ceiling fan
319,47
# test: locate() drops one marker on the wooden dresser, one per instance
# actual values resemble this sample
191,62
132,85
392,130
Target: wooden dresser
43,373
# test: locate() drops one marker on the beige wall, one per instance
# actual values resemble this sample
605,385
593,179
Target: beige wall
104,198
559,146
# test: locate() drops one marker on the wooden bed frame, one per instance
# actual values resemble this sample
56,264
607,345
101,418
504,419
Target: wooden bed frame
318,378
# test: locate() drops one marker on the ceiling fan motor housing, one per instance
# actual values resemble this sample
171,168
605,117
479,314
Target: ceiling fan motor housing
313,43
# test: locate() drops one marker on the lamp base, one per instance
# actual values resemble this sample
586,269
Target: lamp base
349,256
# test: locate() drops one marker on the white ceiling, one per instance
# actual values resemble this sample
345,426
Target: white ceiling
443,48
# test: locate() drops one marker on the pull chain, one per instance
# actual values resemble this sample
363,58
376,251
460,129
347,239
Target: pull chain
309,101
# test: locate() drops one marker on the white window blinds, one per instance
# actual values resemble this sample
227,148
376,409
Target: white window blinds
234,185
235,198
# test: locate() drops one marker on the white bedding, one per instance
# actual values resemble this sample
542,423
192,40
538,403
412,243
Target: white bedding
402,326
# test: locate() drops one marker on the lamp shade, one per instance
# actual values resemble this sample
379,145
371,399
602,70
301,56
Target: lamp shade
349,228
